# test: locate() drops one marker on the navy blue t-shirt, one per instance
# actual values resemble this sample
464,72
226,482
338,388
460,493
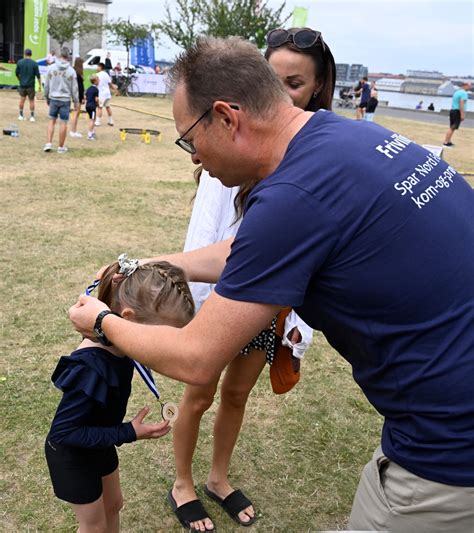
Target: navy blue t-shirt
370,238
96,386
91,94
365,93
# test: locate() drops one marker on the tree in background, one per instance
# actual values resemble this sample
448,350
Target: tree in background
126,33
67,23
184,29
220,18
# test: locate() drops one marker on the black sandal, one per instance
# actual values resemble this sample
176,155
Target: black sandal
235,503
189,512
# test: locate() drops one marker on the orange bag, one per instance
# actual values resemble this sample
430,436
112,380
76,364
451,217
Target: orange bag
285,369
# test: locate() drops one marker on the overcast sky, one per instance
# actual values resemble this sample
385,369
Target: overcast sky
385,35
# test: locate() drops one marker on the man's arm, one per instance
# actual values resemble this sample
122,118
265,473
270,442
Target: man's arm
204,264
38,76
75,90
461,108
195,354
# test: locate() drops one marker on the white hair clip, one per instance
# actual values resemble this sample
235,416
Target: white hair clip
127,266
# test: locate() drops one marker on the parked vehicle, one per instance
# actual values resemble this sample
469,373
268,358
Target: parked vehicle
97,55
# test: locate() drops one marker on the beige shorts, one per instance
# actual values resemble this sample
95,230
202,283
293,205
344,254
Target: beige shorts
389,498
104,103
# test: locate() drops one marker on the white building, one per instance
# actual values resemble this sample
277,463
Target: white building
99,10
390,84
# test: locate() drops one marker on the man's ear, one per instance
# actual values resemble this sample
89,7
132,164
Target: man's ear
128,314
228,113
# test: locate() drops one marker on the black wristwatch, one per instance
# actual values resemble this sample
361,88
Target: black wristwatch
99,334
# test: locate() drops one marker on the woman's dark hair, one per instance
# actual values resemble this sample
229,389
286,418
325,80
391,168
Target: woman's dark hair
79,66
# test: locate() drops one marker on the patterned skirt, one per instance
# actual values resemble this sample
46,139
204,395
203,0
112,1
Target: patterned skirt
264,341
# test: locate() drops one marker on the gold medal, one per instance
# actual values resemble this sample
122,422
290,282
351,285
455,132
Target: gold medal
169,411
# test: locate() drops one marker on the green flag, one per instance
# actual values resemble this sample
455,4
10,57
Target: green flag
36,27
300,16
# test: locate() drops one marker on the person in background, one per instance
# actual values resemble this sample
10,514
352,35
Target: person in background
364,93
419,105
431,107
105,95
59,88
51,57
458,112
108,63
27,72
92,101
372,103
305,66
158,69
79,68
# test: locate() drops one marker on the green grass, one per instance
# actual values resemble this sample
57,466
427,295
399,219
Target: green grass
298,457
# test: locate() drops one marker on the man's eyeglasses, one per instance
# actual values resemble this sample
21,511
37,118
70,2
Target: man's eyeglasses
188,146
302,39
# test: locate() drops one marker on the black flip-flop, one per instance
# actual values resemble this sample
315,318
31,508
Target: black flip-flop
189,512
235,503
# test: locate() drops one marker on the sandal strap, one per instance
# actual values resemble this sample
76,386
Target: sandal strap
235,503
191,512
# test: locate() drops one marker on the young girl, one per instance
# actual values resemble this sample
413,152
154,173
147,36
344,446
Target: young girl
96,383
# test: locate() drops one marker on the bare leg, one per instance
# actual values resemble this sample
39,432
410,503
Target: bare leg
22,104
240,378
75,120
51,124
195,402
91,517
32,106
62,132
449,136
113,501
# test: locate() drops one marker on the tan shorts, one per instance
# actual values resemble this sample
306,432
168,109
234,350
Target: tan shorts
104,103
389,498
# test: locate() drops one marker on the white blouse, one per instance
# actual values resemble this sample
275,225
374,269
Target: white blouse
213,220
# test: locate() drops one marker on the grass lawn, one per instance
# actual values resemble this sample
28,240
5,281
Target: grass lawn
299,455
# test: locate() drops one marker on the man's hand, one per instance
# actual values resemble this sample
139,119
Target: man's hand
83,315
149,431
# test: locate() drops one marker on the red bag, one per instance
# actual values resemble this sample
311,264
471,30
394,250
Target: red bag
285,369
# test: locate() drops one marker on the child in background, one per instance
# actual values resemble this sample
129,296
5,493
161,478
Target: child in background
92,101
96,383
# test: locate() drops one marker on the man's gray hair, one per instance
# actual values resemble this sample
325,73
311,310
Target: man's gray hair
65,53
230,69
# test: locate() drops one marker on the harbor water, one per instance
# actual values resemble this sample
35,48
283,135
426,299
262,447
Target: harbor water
410,101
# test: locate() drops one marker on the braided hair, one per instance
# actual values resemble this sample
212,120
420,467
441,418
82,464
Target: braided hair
156,291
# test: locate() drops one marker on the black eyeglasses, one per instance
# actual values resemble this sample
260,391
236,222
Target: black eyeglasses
302,39
188,146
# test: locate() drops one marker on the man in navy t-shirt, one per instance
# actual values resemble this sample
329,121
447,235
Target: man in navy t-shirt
364,93
370,238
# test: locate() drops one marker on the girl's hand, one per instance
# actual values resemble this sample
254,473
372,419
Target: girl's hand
149,431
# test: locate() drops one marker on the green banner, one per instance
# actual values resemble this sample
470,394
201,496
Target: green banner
300,16
36,28
7,74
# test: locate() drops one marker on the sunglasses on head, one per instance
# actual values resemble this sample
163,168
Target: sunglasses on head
302,39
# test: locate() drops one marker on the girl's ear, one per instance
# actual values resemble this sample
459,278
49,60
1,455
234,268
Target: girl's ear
128,313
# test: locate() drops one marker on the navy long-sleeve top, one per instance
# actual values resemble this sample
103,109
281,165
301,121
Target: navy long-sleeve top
96,386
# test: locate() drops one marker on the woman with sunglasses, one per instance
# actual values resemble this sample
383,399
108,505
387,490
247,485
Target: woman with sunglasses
306,68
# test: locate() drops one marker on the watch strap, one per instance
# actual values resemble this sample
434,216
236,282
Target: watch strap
99,334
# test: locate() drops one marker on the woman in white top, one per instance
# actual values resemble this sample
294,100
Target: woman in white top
306,67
